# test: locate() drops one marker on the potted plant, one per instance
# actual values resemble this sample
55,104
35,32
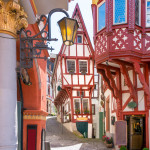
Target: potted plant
123,148
77,111
83,72
71,72
104,138
86,111
109,142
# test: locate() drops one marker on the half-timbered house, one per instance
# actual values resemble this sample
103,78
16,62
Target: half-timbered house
73,79
121,38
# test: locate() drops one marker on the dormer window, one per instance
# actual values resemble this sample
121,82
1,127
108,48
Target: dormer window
71,66
137,12
83,66
101,16
148,13
120,11
79,39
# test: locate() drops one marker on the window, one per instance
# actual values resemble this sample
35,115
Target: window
137,12
101,16
148,13
78,93
95,86
71,65
119,11
48,78
82,93
85,106
48,90
93,109
83,66
79,39
77,105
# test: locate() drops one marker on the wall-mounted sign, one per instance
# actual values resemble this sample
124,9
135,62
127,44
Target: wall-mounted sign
121,133
58,88
132,104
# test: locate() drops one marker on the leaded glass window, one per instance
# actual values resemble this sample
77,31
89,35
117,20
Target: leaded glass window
71,65
79,39
85,105
148,14
101,16
119,11
83,66
77,105
137,12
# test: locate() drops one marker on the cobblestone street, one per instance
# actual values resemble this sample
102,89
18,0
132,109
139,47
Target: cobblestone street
61,139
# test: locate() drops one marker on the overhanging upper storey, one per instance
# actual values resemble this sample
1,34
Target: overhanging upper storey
38,7
121,29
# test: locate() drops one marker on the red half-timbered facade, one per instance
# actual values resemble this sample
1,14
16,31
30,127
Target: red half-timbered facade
73,77
121,39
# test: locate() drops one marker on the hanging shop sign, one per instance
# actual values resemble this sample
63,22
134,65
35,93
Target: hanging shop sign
132,104
59,88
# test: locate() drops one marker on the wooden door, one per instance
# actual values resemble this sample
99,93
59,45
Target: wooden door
31,137
136,132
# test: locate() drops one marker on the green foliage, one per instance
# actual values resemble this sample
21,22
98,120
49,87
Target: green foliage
123,148
77,111
86,111
145,148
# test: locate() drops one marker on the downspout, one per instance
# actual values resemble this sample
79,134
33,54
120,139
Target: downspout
21,100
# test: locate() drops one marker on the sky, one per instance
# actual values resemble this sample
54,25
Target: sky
86,11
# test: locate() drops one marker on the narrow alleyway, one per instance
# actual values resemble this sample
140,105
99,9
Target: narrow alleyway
61,139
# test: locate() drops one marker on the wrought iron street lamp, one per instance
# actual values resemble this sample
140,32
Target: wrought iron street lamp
68,29
29,50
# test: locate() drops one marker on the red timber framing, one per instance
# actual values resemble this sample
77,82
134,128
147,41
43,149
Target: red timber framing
76,82
109,73
126,49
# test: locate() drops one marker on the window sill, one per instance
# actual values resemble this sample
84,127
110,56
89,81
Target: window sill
101,30
120,24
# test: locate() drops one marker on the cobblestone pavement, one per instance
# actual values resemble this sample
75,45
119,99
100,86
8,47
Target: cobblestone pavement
61,139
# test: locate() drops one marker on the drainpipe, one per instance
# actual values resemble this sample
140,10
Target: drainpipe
21,100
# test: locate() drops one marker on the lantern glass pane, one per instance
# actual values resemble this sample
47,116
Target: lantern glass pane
70,27
75,31
62,25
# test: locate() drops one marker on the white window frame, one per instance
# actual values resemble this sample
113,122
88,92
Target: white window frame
114,13
74,104
98,15
139,13
146,13
67,65
88,104
79,65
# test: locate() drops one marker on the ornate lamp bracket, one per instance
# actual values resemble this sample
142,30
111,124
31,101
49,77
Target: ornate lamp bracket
31,46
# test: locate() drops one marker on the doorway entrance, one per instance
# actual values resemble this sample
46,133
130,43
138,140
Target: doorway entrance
136,132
